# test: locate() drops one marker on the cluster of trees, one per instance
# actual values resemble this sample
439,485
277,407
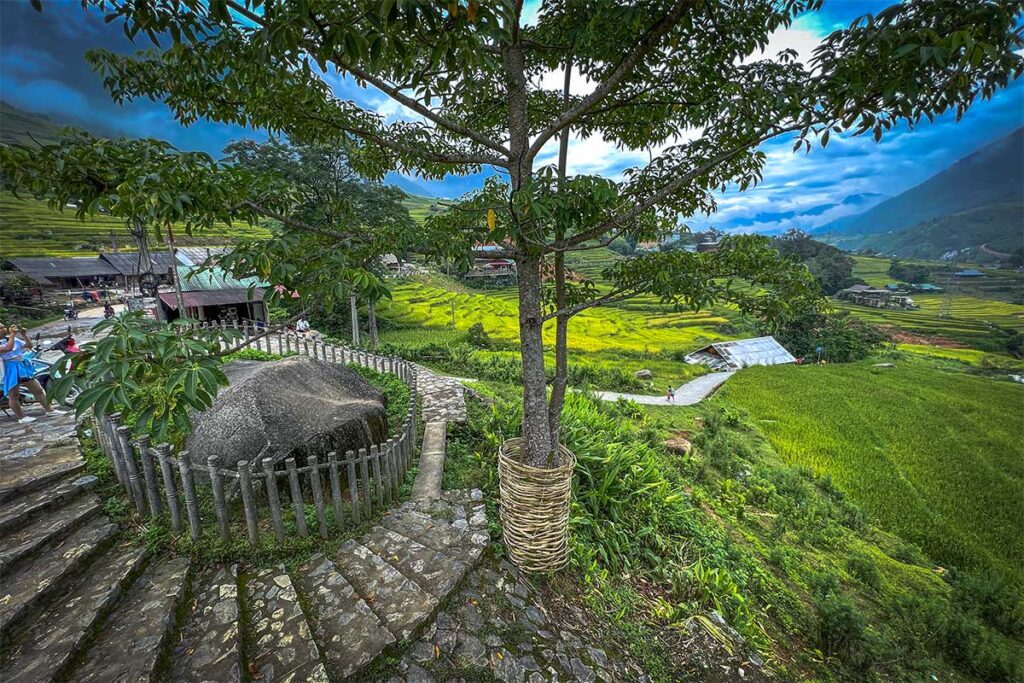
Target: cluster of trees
469,75
830,267
908,272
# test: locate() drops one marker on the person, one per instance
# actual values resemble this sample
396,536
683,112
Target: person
18,372
302,326
671,397
108,310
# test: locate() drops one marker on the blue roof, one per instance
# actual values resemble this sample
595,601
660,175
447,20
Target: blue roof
970,272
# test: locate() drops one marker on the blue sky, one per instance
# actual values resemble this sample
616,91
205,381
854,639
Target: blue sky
42,69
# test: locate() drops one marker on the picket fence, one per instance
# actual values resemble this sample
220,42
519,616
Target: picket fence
160,482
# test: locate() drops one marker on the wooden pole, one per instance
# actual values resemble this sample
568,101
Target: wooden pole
251,519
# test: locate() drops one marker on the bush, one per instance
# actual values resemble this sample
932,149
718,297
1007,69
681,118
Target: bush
842,631
865,570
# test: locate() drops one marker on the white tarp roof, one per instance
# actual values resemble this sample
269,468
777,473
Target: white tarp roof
742,353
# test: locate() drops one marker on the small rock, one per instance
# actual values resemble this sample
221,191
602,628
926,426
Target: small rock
417,674
422,651
85,483
506,667
599,657
535,615
582,672
470,651
884,365
516,602
643,374
529,663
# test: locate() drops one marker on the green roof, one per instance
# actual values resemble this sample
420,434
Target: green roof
215,279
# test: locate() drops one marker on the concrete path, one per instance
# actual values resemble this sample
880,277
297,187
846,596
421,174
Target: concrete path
688,394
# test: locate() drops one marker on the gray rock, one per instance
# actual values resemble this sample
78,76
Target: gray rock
87,482
506,667
582,672
417,674
294,406
884,365
598,657
209,648
643,374
422,651
470,651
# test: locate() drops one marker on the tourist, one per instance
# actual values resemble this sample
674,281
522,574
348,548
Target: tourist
671,395
18,372
302,326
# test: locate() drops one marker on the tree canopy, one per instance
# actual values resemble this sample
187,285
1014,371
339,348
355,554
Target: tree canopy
685,79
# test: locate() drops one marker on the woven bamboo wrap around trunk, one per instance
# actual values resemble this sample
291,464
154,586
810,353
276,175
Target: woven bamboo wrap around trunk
535,508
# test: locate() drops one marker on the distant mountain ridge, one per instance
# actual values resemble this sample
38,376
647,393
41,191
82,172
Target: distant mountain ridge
991,175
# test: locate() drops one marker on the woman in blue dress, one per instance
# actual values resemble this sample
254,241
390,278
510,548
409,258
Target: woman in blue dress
18,372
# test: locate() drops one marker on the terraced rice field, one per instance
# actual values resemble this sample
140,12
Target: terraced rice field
29,228
934,456
641,326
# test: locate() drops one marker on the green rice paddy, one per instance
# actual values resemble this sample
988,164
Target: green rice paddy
933,456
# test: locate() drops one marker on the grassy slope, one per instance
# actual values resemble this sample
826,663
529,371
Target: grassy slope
419,207
30,228
934,456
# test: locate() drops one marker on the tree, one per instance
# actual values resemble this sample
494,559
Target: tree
908,272
335,197
830,267
471,74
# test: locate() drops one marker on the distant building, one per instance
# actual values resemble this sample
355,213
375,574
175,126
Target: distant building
712,247
927,288
214,295
968,273
865,295
112,269
648,246
734,355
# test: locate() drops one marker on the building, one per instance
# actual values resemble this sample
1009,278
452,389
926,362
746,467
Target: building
122,269
865,295
734,355
969,273
703,247
214,295
76,272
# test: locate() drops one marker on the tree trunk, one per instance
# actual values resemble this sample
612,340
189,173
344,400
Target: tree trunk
371,321
355,319
536,425
538,449
558,386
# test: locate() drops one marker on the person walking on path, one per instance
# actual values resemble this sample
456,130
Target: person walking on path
671,395
18,372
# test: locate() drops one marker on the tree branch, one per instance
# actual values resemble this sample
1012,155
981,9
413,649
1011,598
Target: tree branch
651,200
610,298
618,74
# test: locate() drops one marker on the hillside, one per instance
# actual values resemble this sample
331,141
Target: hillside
998,226
16,126
990,177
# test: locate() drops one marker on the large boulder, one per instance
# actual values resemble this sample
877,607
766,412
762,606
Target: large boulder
292,408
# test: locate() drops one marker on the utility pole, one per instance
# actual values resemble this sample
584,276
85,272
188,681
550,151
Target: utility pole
174,271
946,309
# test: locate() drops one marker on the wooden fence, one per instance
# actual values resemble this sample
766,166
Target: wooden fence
343,489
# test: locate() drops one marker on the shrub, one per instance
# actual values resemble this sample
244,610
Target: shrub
865,570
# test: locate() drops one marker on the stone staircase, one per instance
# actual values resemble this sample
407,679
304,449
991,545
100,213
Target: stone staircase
80,602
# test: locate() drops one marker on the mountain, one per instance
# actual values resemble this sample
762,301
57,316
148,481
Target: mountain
20,127
407,186
989,176
981,233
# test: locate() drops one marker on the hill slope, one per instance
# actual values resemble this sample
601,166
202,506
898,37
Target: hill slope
990,177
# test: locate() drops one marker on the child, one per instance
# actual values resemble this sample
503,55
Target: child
18,372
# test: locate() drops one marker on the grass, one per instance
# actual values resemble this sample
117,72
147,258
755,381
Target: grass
30,228
933,456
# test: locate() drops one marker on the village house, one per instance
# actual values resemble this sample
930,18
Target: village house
214,295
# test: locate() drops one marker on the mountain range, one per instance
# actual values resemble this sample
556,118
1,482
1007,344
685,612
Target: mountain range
977,202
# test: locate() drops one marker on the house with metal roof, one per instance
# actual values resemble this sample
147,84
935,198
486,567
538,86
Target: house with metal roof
67,273
969,272
734,355
215,295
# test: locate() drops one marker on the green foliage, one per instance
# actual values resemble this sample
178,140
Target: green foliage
909,272
843,337
153,371
830,267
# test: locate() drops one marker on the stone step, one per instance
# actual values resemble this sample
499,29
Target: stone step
397,601
46,576
209,647
58,633
43,469
432,570
129,643
21,544
349,633
456,538
21,510
282,649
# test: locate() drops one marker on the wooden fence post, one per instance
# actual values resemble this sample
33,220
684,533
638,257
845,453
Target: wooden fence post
296,490
364,475
318,494
274,499
332,462
353,490
188,485
170,487
109,428
152,492
137,494
245,484
377,480
219,504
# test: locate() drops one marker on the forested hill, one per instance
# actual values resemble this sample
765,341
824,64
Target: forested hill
991,178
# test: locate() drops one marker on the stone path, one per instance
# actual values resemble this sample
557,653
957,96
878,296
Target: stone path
78,602
694,391
443,397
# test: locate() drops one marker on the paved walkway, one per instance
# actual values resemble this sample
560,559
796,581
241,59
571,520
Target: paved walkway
688,394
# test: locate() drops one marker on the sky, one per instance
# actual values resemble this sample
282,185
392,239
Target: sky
42,69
